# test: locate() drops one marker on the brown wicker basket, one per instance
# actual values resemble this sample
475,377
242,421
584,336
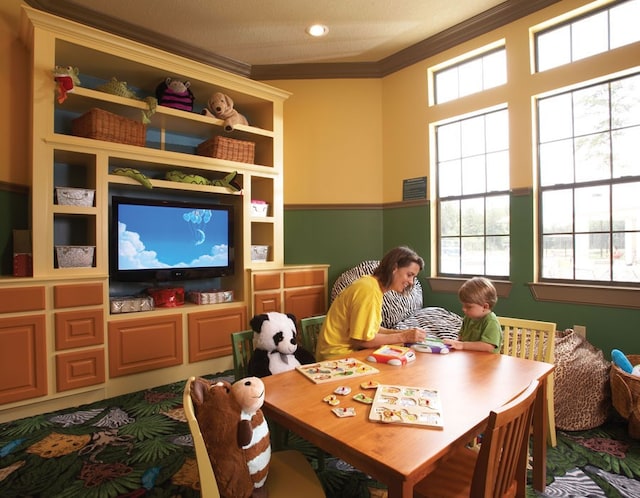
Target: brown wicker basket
625,395
102,125
228,148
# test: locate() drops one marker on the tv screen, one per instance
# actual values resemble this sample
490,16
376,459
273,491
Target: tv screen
160,240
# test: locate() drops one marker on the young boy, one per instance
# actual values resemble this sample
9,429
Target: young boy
480,329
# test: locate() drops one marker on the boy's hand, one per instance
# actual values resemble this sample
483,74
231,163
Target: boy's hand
454,343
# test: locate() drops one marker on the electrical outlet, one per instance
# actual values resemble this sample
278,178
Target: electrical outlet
580,330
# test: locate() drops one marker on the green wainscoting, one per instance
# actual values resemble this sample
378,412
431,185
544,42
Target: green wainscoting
343,237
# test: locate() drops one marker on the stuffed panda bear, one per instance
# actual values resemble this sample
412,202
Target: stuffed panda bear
275,343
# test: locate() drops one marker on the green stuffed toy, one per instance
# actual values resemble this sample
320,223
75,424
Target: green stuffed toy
228,181
66,78
135,174
120,88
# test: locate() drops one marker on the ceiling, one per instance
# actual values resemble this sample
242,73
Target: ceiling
267,39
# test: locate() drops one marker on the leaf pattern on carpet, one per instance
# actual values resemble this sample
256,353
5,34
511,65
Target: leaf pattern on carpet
139,445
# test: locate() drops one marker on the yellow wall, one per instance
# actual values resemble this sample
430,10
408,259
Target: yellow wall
14,166
332,141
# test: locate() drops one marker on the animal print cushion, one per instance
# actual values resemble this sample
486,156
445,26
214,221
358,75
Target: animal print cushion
395,307
581,383
436,321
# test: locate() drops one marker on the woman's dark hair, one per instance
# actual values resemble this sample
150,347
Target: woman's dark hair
396,258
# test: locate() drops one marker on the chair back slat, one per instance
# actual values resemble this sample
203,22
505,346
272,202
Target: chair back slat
310,329
502,460
242,343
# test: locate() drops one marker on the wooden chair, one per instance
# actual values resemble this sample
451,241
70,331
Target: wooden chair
242,343
496,470
290,474
310,330
533,340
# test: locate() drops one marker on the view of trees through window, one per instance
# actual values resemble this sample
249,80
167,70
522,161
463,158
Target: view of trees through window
590,183
473,198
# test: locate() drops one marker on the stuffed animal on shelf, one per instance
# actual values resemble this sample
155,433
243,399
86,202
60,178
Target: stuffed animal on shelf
175,94
220,105
66,78
219,416
275,342
228,181
253,431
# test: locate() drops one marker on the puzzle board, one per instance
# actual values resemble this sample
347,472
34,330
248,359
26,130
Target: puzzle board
407,405
330,370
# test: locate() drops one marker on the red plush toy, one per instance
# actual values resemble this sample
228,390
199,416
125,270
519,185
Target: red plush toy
66,78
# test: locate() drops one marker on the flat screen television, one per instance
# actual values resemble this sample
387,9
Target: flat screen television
154,240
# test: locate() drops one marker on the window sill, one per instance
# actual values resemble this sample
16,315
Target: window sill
451,285
617,297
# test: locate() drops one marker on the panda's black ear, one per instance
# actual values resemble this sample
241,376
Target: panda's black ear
257,321
293,317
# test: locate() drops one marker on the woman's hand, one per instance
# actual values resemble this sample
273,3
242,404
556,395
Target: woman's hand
414,335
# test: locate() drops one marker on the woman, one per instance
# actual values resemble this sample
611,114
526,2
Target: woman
354,318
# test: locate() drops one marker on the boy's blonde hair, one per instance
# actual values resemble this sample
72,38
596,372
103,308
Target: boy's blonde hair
478,290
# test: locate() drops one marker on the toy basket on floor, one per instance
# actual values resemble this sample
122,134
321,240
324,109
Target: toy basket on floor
102,125
625,395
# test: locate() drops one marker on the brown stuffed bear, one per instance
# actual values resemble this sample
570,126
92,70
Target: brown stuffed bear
221,106
253,431
219,414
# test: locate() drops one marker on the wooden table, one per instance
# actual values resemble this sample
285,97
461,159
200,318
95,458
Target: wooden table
471,384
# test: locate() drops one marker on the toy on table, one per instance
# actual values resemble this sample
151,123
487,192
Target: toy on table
340,369
276,347
393,355
408,405
430,345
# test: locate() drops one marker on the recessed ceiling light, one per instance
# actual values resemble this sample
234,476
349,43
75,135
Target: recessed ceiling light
317,30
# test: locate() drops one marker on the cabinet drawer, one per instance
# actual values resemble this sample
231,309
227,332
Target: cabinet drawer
306,302
265,302
144,344
266,281
210,332
68,296
79,369
76,329
16,299
23,360
303,278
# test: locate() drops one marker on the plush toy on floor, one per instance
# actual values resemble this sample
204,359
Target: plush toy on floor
219,416
253,431
220,105
276,347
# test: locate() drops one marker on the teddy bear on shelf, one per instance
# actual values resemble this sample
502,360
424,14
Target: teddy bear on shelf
276,347
219,417
220,106
175,94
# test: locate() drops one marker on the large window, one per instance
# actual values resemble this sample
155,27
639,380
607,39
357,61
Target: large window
471,76
589,178
473,195
593,34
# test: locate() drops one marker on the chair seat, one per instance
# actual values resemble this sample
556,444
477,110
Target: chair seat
290,474
452,477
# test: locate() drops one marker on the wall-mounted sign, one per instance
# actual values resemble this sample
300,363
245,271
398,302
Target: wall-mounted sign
414,188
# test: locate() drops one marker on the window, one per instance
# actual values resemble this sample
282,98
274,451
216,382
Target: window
593,34
473,195
589,179
471,76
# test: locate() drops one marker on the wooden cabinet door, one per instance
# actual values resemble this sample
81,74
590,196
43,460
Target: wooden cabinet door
23,358
264,302
305,302
210,332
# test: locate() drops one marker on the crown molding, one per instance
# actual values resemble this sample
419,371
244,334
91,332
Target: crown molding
484,22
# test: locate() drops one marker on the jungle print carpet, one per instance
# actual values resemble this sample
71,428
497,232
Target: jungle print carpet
139,445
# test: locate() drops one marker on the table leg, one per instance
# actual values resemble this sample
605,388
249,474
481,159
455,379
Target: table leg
402,489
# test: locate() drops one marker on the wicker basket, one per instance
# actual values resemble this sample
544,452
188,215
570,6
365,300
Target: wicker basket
625,395
228,148
102,125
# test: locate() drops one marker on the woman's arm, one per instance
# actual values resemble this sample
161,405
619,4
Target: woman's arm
390,336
